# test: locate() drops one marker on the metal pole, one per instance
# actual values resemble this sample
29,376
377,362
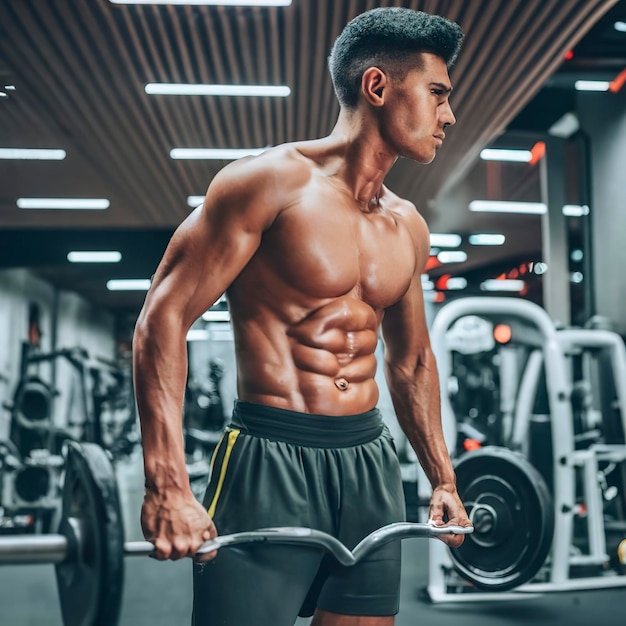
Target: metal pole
22,549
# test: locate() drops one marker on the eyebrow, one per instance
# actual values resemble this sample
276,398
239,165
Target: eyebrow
444,88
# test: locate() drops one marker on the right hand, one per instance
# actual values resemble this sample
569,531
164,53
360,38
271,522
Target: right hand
177,525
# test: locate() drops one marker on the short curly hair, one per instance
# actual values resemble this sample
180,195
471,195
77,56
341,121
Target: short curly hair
388,38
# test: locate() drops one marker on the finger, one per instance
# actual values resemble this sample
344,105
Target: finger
162,549
435,515
207,556
209,532
452,541
181,548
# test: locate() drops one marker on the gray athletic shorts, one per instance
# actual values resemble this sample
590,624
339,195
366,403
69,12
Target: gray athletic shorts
273,467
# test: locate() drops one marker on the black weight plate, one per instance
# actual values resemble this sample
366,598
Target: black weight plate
90,581
513,516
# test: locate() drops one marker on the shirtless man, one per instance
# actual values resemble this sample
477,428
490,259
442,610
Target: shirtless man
315,255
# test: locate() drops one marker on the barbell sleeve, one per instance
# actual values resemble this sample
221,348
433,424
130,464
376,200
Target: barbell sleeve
32,549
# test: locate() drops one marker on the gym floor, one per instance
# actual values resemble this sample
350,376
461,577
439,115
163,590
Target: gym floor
159,594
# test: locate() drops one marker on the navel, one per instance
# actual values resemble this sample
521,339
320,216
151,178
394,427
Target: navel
342,384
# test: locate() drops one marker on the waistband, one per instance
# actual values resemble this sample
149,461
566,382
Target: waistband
307,429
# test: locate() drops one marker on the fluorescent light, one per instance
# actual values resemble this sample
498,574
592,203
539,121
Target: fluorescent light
577,255
445,240
453,256
592,85
495,206
194,201
222,154
576,277
32,154
198,334
487,240
502,285
226,3
517,156
565,126
222,335
574,210
620,26
63,203
216,316
540,268
94,257
129,284
186,89
457,282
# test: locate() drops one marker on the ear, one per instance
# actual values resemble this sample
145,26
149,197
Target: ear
373,86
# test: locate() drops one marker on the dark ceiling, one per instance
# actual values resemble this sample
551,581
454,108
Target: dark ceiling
79,70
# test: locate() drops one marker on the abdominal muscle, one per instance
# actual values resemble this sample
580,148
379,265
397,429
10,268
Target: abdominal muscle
322,364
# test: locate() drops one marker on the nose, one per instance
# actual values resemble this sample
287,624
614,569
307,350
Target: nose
447,117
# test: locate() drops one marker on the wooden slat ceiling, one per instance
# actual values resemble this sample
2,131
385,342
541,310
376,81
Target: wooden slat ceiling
80,69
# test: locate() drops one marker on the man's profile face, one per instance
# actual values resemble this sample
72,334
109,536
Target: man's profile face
417,110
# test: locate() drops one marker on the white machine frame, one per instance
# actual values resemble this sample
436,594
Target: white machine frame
565,457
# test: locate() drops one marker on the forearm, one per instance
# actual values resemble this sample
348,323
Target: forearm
160,374
415,396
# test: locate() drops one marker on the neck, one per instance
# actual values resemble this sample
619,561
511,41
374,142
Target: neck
366,158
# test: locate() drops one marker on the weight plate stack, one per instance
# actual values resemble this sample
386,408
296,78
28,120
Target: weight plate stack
91,580
513,515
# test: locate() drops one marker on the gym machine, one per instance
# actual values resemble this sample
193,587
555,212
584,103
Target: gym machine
577,479
599,457
31,463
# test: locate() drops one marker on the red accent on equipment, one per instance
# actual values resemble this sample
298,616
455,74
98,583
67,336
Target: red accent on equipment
537,152
471,444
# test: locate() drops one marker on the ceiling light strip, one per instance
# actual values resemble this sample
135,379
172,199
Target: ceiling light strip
226,3
445,240
63,203
184,89
452,256
221,154
94,256
487,239
592,85
497,206
128,284
194,201
198,334
35,154
502,285
575,210
513,156
216,316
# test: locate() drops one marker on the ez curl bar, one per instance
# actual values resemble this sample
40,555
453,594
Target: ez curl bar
89,549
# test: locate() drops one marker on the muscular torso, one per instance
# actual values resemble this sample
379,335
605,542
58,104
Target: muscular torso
307,307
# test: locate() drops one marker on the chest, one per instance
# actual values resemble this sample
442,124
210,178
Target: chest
328,249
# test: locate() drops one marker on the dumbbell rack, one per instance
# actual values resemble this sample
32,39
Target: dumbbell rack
444,585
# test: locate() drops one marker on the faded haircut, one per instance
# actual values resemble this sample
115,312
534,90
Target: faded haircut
391,39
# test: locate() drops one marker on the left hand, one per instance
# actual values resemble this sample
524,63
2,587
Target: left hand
445,501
